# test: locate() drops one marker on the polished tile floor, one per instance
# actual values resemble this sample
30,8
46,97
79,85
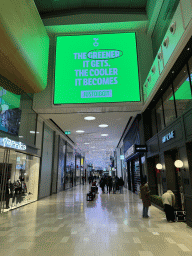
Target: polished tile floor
66,224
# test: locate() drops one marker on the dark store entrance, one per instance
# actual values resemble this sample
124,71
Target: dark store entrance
174,179
154,175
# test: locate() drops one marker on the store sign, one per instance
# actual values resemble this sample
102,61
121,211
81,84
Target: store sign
140,148
130,151
7,143
168,136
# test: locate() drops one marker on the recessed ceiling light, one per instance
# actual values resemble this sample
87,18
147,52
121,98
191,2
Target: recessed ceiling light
173,71
188,49
104,134
80,131
92,147
103,125
89,118
86,143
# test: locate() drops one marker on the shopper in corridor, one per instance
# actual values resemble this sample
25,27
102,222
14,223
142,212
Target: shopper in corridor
145,196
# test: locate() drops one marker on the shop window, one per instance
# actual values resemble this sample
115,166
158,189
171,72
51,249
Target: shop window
28,121
153,122
69,167
39,134
10,112
21,181
169,106
159,115
182,91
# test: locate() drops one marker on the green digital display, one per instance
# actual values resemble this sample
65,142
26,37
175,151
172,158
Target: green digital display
96,68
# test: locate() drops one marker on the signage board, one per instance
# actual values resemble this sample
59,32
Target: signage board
168,136
130,151
140,148
122,157
7,143
96,68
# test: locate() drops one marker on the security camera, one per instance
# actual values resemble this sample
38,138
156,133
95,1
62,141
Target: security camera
173,28
153,70
159,55
149,79
166,42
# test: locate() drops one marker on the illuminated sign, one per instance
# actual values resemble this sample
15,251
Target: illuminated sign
96,68
122,157
6,142
140,148
168,136
67,132
130,151
135,149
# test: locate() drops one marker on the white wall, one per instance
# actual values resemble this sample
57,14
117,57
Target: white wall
46,163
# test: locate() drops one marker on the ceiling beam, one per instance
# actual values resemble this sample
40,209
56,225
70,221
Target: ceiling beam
91,10
24,47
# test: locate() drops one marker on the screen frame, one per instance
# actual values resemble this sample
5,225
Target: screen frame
93,103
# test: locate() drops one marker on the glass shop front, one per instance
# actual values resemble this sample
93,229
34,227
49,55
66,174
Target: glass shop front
19,178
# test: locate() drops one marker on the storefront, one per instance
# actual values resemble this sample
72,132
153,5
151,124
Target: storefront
134,155
77,169
163,171
19,174
70,167
168,133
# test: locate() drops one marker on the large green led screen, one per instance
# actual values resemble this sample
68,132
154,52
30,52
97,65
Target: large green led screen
96,68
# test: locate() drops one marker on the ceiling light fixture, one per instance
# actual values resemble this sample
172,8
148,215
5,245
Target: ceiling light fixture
103,125
80,131
104,134
86,143
89,118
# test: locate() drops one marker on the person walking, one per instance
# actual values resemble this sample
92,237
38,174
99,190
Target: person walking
114,185
102,184
145,196
168,199
121,184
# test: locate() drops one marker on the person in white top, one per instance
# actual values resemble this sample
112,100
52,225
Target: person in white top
168,199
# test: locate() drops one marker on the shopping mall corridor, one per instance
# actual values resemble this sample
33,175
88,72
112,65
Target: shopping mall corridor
66,224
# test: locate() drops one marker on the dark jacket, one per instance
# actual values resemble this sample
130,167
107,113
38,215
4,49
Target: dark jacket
121,182
145,195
